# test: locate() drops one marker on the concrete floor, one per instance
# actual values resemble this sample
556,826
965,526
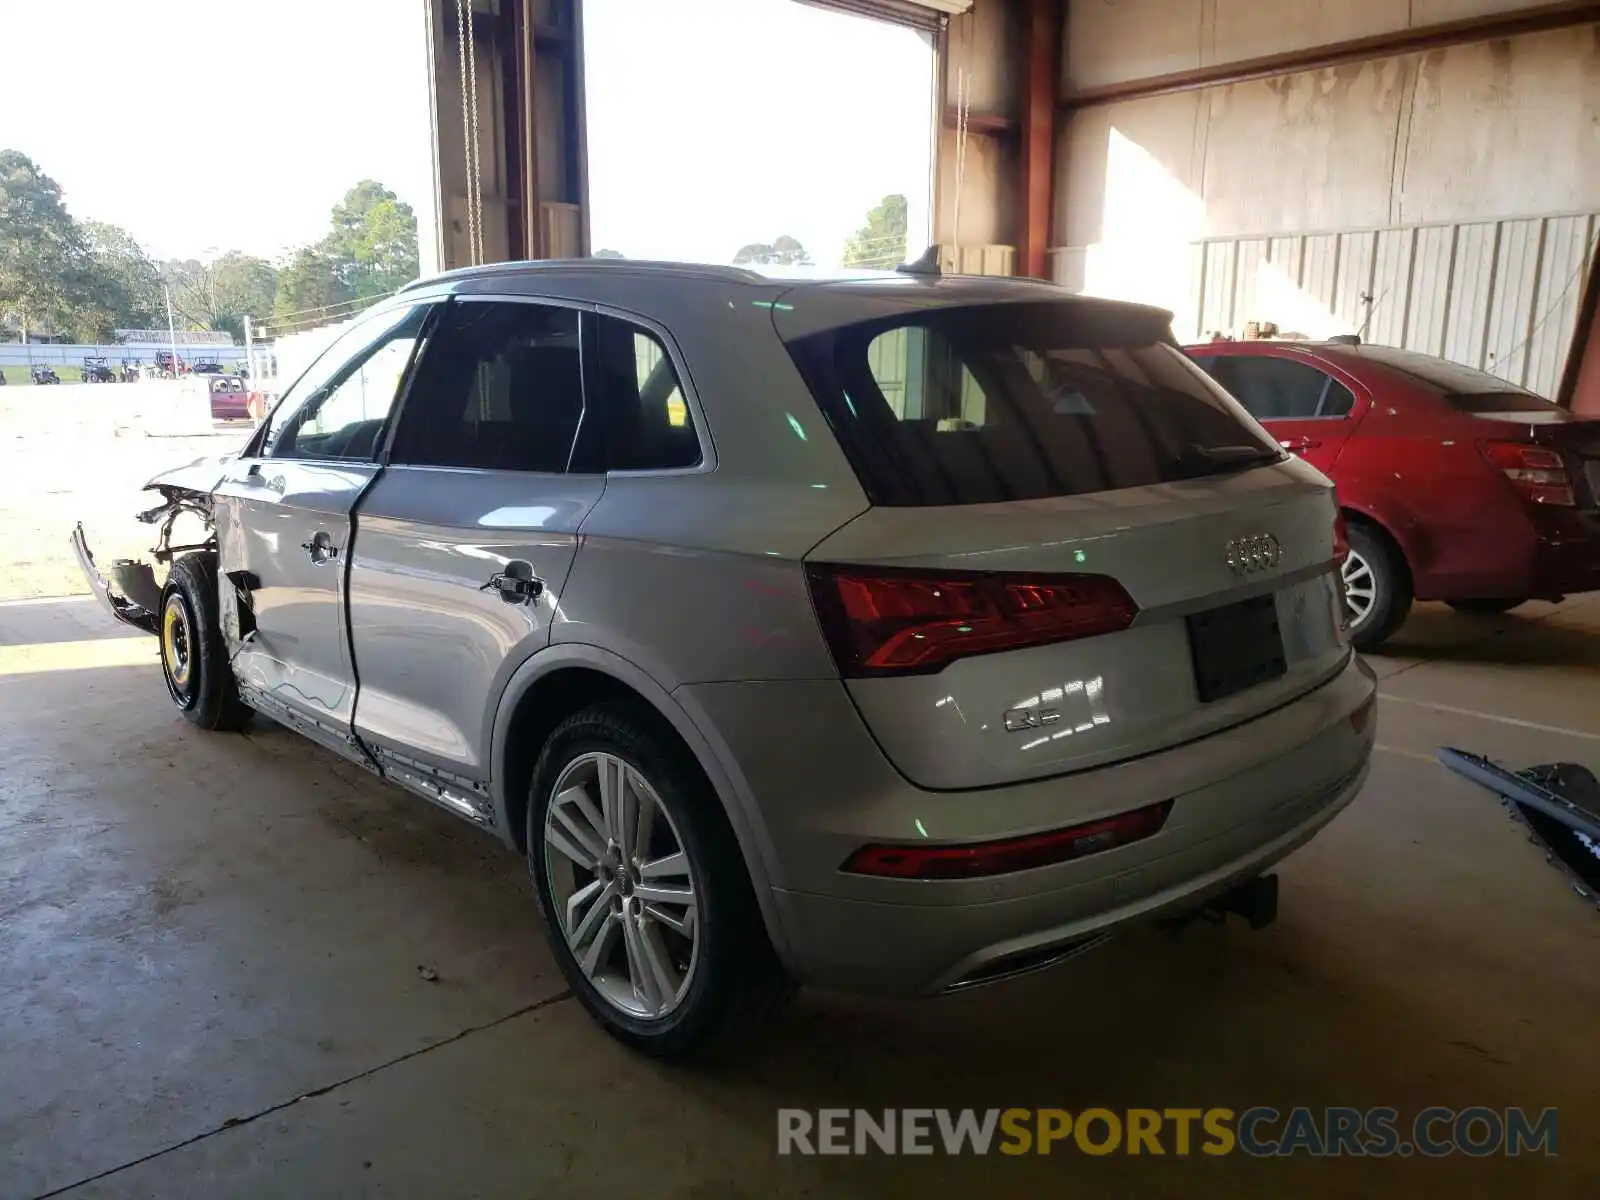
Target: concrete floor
210,950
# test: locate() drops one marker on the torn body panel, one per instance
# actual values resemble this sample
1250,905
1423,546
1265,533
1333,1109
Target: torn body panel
123,607
1559,803
128,587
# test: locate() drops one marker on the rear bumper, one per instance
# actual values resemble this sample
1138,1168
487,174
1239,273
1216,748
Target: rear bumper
1243,799
910,949
1566,556
132,576
1541,554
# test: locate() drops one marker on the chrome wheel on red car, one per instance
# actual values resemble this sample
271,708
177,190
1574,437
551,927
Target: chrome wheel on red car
1360,588
1377,587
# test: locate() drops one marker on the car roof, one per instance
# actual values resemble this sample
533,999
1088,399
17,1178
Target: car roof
826,297
600,268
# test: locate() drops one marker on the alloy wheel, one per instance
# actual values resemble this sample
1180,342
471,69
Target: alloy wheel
622,886
1360,587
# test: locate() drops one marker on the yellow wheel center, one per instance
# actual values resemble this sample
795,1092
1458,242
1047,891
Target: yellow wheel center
175,644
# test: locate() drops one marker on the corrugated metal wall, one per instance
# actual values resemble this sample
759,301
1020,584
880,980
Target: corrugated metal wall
1501,296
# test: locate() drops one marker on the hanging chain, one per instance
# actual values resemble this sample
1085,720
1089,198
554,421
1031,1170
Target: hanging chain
469,131
477,152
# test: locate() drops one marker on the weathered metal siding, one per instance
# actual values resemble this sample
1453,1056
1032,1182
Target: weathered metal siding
1501,296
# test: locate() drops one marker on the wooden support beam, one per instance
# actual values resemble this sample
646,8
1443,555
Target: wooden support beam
1041,54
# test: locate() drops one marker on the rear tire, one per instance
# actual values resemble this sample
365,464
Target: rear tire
194,660
1377,588
672,978
1485,608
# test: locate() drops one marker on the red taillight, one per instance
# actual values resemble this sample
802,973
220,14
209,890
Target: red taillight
1009,854
1539,475
893,621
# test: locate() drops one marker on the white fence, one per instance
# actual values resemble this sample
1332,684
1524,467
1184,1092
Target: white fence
72,354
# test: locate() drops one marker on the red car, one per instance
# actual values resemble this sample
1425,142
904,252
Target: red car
1455,485
229,400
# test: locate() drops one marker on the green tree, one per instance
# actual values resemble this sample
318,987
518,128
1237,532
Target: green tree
881,242
45,266
219,294
246,286
123,278
307,284
607,254
193,290
782,250
374,241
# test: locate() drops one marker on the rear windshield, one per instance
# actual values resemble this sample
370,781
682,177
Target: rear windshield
1463,388
976,405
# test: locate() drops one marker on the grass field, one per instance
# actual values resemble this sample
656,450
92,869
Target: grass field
19,374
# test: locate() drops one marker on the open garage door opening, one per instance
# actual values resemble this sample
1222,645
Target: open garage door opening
761,131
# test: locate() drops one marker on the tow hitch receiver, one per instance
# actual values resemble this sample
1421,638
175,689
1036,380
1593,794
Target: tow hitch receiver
1255,900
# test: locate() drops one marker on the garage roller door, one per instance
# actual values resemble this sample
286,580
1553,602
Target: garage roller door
929,15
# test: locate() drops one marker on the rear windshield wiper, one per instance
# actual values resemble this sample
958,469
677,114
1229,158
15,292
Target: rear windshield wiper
1216,460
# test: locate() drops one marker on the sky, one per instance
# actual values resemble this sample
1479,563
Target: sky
210,125
713,123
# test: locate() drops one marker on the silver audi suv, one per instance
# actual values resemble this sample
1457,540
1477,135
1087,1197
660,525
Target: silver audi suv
888,632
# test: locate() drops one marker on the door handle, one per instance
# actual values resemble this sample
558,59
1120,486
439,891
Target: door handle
320,547
517,584
1295,445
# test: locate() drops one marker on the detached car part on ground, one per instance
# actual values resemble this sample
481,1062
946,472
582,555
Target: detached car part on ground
890,633
1559,803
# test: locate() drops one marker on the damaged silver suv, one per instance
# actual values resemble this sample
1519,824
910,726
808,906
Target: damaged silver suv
891,633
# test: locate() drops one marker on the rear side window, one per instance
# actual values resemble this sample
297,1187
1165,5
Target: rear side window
647,424
500,387
1021,401
1282,389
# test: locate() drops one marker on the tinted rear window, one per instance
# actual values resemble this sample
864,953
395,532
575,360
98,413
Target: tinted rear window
1004,402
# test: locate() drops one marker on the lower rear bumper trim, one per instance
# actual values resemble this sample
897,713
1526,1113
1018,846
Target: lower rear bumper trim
120,607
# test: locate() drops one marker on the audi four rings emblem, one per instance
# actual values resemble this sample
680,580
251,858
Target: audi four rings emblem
1257,552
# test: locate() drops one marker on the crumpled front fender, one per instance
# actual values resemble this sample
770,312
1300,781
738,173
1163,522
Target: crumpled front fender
200,477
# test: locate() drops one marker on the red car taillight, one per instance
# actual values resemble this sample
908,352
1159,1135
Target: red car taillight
1009,854
894,621
1539,475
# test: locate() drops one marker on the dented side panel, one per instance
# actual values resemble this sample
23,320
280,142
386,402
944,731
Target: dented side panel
283,530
